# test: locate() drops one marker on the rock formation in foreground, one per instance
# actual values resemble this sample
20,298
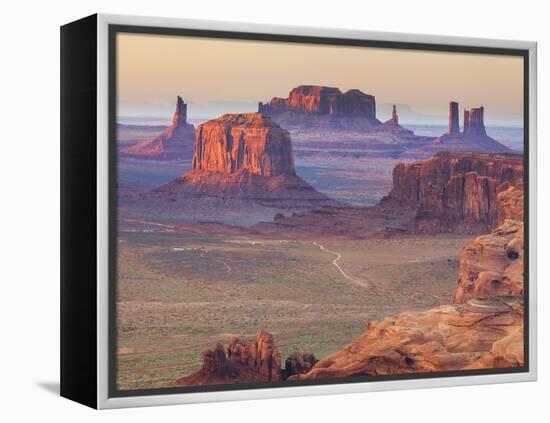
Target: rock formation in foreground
472,138
244,157
493,264
454,191
314,106
246,362
175,143
484,333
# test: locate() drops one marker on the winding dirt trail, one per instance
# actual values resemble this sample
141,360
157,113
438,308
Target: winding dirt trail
227,267
362,284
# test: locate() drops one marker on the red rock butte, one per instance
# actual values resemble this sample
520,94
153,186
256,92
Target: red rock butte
175,142
236,142
244,157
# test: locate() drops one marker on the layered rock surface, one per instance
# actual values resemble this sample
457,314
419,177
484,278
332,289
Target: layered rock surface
314,105
454,190
175,142
484,333
493,264
247,142
245,157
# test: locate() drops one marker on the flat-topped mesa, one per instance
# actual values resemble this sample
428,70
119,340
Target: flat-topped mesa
243,142
316,99
314,105
454,125
454,190
473,122
175,142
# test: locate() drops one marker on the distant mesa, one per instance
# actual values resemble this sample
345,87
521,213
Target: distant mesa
473,136
245,157
175,143
314,105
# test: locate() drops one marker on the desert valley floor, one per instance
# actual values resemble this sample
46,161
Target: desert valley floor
179,294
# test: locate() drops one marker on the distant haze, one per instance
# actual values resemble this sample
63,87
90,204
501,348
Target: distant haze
223,76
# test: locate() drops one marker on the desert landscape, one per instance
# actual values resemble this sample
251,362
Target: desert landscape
313,238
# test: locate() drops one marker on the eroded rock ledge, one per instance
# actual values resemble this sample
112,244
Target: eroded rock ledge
484,333
175,142
493,264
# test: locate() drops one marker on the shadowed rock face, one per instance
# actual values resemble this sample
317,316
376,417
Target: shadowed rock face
493,264
454,191
313,105
454,125
485,333
176,142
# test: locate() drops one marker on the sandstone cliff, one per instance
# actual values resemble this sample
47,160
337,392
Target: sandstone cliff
453,190
244,157
175,142
493,264
484,333
313,106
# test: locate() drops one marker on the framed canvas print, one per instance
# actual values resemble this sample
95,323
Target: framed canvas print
254,211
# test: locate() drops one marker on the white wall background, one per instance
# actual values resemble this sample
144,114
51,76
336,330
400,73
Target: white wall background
29,233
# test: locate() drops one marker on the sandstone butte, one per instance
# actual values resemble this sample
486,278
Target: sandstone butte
175,142
473,137
244,157
454,191
317,106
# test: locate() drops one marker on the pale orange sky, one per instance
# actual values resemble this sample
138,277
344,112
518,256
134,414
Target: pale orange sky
153,69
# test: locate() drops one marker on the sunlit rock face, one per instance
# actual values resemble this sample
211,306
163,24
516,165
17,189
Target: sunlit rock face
243,142
245,157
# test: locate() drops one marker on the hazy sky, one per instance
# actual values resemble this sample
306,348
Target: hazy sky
153,69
